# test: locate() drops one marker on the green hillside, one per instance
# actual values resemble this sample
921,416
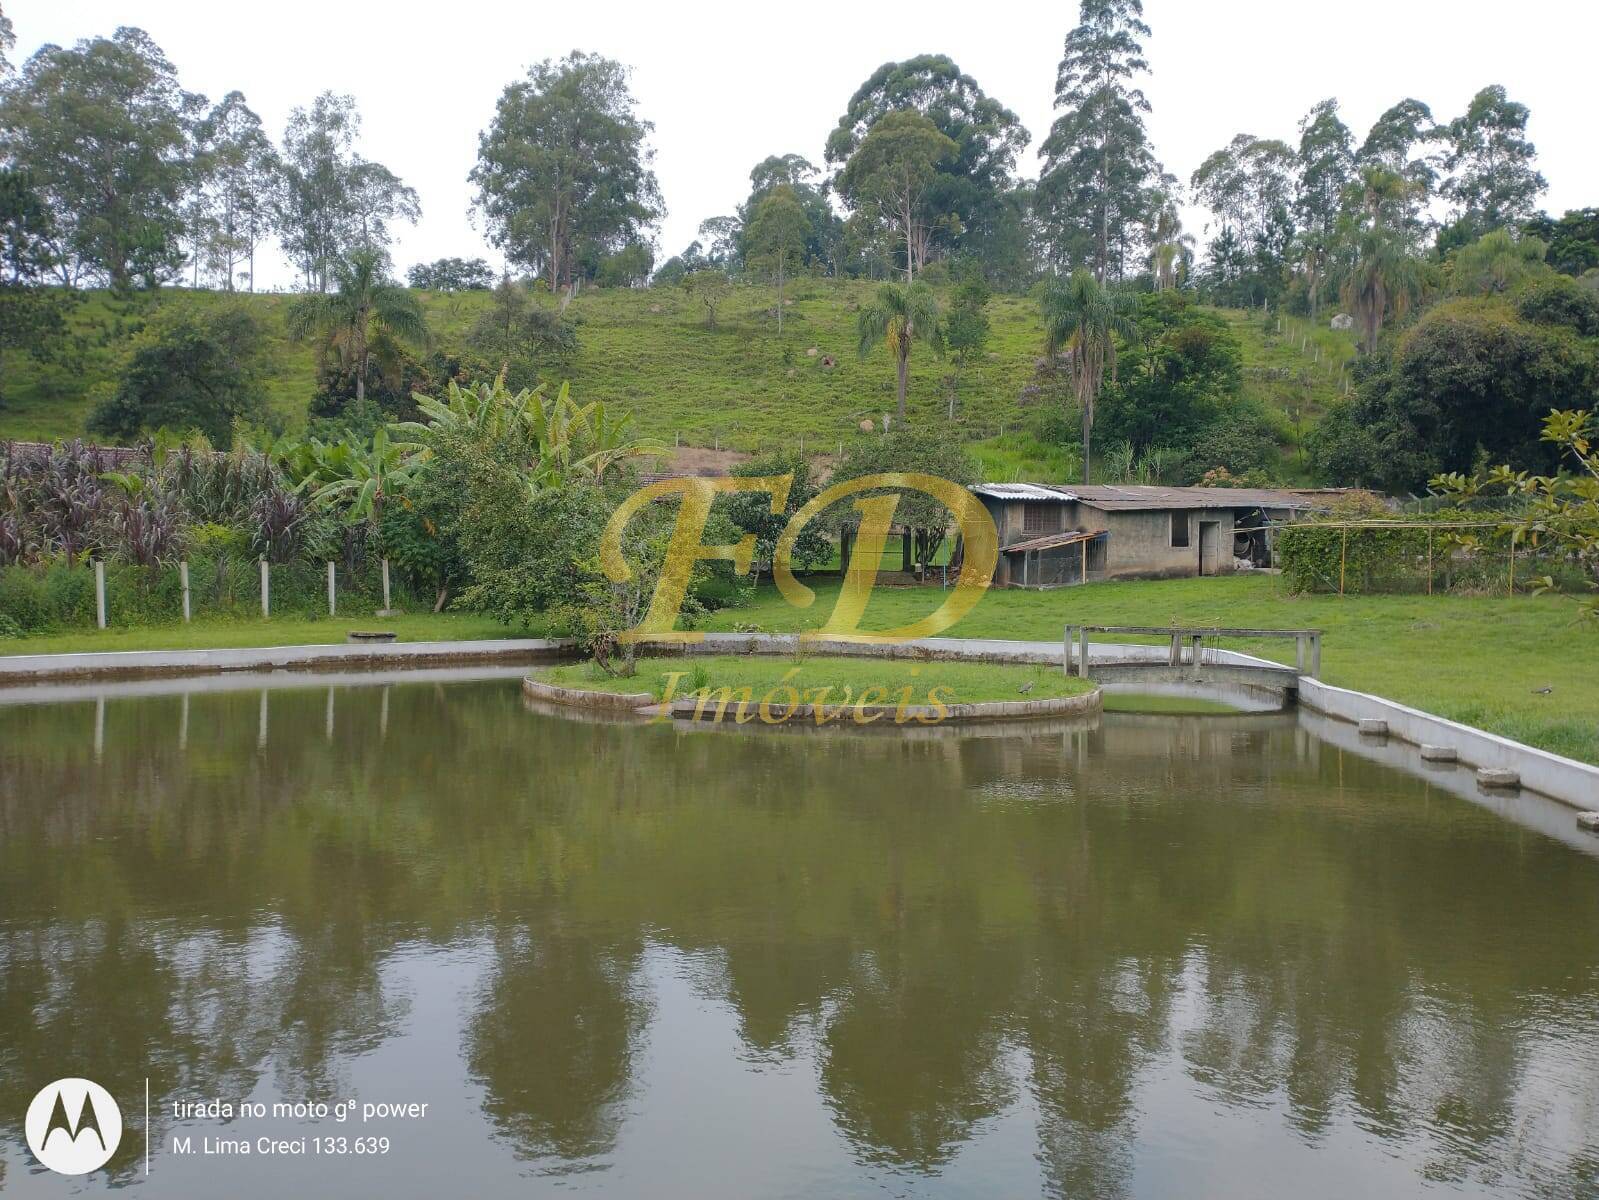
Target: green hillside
740,386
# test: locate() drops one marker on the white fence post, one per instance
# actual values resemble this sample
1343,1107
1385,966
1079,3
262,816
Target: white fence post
99,593
266,589
183,582
386,605
333,604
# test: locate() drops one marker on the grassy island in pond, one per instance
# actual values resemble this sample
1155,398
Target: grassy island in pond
848,678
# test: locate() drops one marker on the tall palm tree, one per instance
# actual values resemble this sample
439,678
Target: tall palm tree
1383,279
363,316
1171,250
1081,319
900,315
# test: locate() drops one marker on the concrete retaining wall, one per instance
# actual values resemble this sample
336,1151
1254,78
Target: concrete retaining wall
1564,779
135,664
586,698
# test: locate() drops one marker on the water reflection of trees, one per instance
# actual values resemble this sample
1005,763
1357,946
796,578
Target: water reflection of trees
938,909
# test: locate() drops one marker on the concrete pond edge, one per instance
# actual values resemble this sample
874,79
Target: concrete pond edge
1553,775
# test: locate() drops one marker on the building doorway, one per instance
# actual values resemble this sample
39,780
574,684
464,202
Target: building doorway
1209,547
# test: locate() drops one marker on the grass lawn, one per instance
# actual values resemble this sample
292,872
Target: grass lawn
965,683
279,631
1482,660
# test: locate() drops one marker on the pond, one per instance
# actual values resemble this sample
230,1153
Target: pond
1139,955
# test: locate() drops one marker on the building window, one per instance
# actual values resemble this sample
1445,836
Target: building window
1040,518
1179,529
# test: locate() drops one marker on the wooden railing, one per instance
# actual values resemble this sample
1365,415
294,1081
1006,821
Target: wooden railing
1307,656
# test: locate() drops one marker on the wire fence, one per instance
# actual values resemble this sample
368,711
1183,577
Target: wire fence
1420,557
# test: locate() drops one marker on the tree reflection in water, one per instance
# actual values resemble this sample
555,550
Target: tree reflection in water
1149,933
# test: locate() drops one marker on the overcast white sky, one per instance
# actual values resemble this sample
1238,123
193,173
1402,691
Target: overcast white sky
728,83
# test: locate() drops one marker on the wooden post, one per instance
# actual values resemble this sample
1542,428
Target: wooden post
266,589
1429,560
1085,560
333,602
386,605
99,593
183,583
1512,566
1343,555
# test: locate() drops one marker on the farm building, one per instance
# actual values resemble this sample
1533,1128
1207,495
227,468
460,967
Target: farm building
1052,535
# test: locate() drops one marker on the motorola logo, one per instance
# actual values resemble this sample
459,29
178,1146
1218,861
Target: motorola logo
73,1126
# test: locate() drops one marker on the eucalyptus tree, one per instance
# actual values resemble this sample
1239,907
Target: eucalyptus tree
889,178
1326,162
1099,170
899,316
1082,319
564,167
970,185
365,311
1404,140
802,180
241,174
377,196
103,130
1492,178
312,206
8,41
1249,186
776,237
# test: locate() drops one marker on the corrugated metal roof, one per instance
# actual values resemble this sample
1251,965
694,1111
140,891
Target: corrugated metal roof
1126,497
1051,540
1022,491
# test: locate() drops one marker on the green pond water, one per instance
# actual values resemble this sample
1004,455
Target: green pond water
1143,955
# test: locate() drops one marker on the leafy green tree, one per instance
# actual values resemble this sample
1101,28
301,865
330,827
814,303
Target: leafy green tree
1400,142
1249,186
710,287
888,179
907,448
377,197
1472,377
452,275
898,316
1095,188
33,318
1492,181
966,330
239,175
1496,263
519,333
8,41
1082,319
1573,240
629,266
103,130
312,207
776,237
563,167
729,247
751,512
364,307
973,184
188,370
1171,251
